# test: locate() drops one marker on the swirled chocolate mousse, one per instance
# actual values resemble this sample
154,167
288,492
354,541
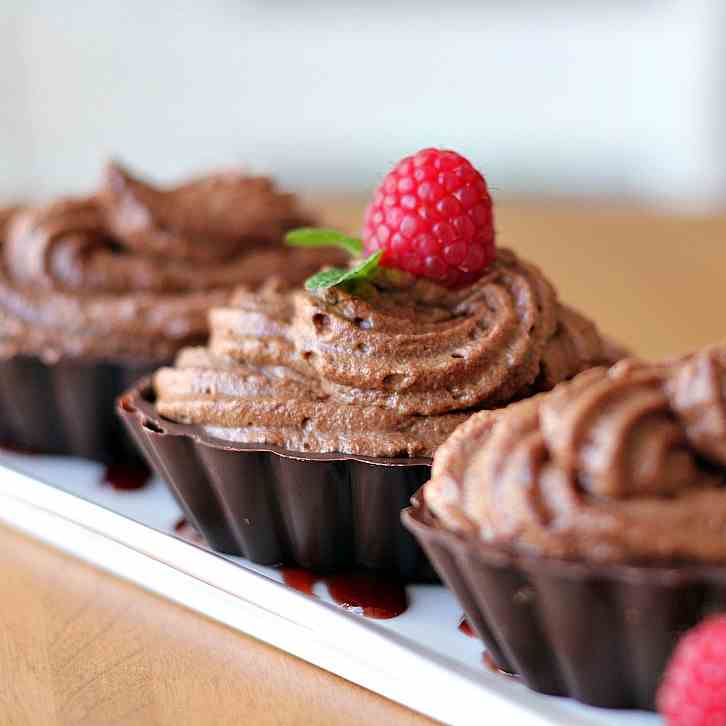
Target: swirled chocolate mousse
131,271
386,367
619,464
386,357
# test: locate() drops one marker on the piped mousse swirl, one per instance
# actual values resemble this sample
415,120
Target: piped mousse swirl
387,368
620,464
132,270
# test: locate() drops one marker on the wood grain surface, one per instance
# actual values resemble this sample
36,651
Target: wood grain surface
78,647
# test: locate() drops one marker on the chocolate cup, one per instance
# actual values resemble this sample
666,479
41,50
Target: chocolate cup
66,407
324,512
599,633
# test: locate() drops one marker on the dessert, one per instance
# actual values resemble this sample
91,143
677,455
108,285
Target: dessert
597,508
96,290
387,371
371,365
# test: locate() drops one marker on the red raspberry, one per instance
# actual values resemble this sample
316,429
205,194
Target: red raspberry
432,216
693,690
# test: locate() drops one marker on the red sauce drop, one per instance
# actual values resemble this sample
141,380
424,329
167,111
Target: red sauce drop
465,627
486,656
373,595
186,530
299,579
181,524
491,664
126,477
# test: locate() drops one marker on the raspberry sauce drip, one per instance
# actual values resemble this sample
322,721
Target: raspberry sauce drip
486,657
181,524
491,664
186,530
375,596
126,476
299,579
465,628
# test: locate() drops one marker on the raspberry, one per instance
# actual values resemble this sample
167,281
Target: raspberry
432,216
693,690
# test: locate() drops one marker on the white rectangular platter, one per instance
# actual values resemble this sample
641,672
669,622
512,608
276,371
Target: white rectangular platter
419,659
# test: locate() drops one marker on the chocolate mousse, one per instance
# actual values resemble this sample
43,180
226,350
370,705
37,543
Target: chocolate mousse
131,271
97,291
626,464
388,368
302,428
583,529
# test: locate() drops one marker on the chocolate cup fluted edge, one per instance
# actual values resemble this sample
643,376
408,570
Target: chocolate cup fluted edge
66,407
324,512
599,633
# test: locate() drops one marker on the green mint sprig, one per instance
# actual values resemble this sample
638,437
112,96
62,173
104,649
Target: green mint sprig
334,276
319,237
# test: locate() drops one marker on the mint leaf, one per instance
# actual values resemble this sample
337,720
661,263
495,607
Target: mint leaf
313,237
337,276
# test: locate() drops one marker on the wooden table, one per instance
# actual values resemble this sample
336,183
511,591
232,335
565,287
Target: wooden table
80,647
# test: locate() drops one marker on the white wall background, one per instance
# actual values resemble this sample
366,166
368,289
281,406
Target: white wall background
623,98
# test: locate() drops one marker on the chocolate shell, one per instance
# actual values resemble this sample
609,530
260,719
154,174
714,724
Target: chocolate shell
323,512
600,633
66,407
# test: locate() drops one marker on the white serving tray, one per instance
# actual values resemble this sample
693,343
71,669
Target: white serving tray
419,658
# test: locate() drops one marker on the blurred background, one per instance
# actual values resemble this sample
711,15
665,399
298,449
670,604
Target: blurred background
623,99
600,126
